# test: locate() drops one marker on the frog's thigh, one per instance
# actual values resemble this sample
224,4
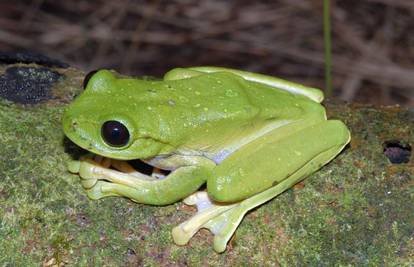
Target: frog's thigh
271,159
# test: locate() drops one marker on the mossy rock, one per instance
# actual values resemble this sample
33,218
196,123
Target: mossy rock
357,210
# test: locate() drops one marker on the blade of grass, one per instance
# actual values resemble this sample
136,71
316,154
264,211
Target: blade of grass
328,47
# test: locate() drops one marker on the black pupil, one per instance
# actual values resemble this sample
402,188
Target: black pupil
115,133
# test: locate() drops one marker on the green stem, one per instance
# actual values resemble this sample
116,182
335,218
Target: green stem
328,48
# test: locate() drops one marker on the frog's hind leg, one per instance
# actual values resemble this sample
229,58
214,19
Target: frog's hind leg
223,219
225,231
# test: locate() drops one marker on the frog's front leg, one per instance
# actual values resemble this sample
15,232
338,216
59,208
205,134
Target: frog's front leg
258,172
101,181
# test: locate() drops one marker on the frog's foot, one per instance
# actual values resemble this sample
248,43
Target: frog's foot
100,176
221,219
104,177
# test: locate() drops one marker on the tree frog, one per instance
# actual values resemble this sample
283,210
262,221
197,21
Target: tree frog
247,136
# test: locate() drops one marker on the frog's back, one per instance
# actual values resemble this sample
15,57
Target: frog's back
234,98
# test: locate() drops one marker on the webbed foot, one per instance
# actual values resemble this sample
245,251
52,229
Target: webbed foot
99,180
221,219
104,177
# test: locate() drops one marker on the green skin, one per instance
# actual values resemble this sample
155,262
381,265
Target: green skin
248,136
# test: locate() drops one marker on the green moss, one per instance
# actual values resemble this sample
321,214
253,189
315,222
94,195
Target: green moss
357,210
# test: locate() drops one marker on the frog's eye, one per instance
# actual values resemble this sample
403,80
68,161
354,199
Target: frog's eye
115,133
88,77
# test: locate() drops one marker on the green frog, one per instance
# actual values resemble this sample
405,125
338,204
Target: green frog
247,136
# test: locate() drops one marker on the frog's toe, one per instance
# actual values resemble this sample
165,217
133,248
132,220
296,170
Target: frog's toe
224,226
73,166
94,193
87,174
100,190
85,170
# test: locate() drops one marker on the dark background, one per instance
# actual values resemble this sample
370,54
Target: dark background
373,40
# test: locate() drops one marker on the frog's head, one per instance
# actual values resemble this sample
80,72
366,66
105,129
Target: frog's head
99,120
